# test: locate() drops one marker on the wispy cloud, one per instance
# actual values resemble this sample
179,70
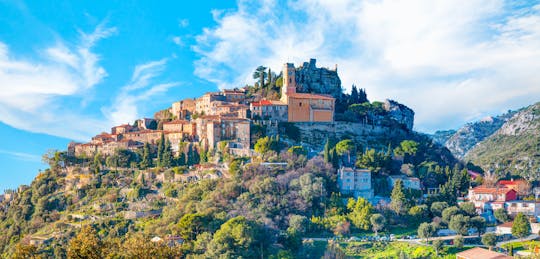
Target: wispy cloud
22,156
451,62
143,86
30,88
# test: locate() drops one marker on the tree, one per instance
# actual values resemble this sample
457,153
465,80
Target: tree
297,150
448,213
418,213
146,161
437,245
160,149
500,215
468,208
377,222
345,147
459,241
167,157
24,251
85,245
426,230
335,158
399,200
489,239
326,153
191,225
97,163
260,73
460,224
354,95
438,207
478,223
521,226
235,238
360,214
266,144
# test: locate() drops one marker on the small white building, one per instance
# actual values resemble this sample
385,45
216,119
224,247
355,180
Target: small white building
408,182
355,181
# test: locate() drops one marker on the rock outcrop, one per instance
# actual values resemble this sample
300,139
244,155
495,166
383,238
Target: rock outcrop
472,133
400,113
311,79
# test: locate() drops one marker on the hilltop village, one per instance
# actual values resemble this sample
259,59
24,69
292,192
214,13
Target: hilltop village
215,117
290,167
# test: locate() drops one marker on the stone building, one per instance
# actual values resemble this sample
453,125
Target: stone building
204,103
304,107
183,126
269,110
355,181
144,136
122,129
234,95
183,109
236,131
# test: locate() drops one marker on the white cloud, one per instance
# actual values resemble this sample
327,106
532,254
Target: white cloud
183,23
178,41
30,89
21,155
142,87
451,62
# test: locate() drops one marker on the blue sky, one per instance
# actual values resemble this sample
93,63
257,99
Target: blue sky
69,70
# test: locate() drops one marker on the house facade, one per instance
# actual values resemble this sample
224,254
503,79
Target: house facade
269,110
356,182
408,182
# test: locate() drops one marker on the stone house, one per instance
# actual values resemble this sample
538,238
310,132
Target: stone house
269,110
234,95
121,129
144,136
356,182
183,126
183,109
408,182
236,131
204,103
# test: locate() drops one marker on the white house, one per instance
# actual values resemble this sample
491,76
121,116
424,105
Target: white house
408,182
355,181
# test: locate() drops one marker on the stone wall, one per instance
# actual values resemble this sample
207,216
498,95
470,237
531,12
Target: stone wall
315,134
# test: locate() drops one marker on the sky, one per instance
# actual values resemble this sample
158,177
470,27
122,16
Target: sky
72,69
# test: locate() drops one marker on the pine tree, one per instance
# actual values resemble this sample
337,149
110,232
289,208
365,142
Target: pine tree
399,201
362,96
521,226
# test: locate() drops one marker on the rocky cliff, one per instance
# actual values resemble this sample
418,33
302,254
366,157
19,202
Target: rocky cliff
514,148
472,133
400,113
441,136
311,79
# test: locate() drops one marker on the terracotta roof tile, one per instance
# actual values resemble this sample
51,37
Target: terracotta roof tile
310,96
481,253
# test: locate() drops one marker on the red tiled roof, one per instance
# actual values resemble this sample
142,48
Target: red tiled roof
481,253
492,190
177,122
511,182
310,96
267,103
506,225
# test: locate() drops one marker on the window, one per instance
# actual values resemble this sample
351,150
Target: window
300,104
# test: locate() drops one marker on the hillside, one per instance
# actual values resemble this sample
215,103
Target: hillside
461,141
514,148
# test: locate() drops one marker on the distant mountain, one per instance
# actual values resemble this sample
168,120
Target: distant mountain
514,148
461,141
441,136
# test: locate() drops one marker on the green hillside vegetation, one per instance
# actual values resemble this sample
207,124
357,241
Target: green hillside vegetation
514,150
247,210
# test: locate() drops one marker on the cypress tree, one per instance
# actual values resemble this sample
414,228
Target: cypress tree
166,160
160,149
146,161
335,158
327,157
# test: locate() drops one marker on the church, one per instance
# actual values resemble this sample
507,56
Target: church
304,107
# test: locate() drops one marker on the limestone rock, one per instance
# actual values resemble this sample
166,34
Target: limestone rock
311,79
400,113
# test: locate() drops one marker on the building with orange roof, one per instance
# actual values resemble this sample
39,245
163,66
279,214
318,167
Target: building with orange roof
483,197
269,110
304,107
481,253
